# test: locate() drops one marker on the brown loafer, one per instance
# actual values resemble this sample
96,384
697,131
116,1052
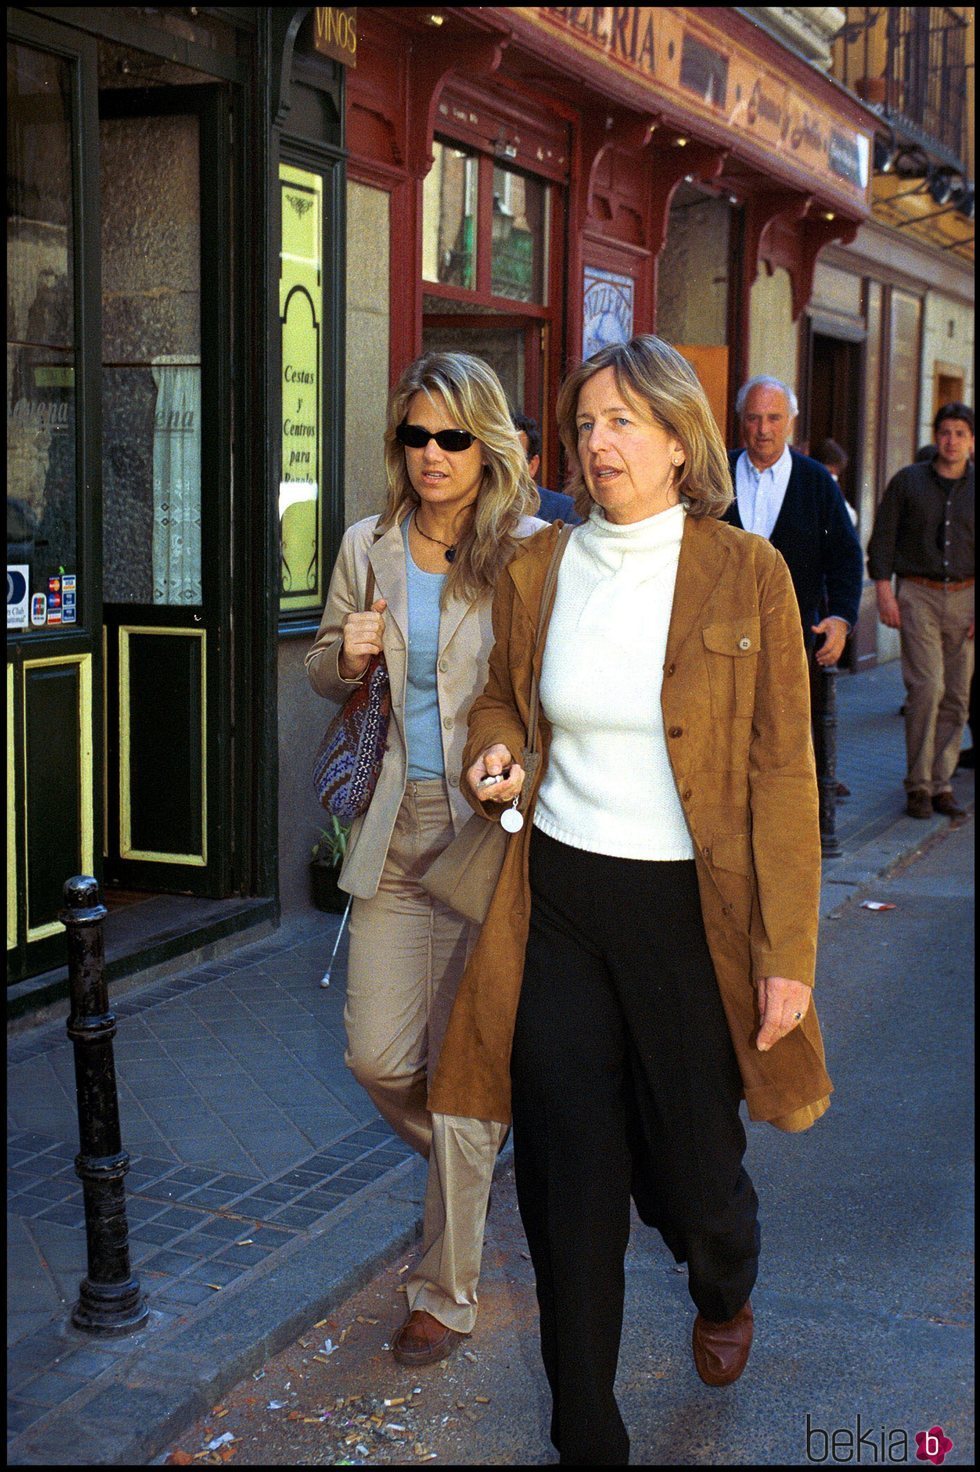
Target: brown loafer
422,1340
721,1351
918,804
945,803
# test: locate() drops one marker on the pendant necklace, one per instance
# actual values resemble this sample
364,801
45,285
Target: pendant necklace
450,553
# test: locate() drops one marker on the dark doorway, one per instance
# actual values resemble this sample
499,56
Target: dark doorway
835,381
832,408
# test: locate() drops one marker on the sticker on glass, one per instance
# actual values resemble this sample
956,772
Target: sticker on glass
69,586
17,598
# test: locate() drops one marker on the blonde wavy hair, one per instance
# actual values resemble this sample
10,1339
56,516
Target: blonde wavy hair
476,402
654,378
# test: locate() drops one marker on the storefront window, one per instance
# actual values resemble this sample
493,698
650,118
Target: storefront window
42,520
449,217
519,234
300,310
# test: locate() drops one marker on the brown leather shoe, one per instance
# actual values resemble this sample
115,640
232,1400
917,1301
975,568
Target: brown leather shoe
422,1340
918,804
721,1351
945,803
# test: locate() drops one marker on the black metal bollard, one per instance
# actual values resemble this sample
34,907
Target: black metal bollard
110,1300
823,701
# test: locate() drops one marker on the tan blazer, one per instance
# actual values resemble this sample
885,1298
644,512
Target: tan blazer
465,638
736,710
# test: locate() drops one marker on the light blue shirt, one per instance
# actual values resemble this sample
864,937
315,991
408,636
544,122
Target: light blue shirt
423,729
760,493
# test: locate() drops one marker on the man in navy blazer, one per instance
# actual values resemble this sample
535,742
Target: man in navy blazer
555,505
795,503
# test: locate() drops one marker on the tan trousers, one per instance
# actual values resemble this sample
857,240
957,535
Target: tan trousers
407,954
937,663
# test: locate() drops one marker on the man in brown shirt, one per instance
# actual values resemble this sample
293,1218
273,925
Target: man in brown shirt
924,533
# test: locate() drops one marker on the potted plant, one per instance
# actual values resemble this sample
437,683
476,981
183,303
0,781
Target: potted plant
326,859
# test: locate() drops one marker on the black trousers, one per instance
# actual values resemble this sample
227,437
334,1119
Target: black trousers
624,1083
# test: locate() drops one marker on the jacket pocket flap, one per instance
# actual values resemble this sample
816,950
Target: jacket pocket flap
733,851
738,636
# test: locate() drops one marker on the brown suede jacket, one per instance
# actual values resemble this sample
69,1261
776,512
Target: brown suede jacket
736,709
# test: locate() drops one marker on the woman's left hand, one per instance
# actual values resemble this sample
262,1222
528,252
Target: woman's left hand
782,1006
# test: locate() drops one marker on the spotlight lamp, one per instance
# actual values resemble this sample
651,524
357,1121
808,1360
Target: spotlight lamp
948,187
884,155
945,184
911,162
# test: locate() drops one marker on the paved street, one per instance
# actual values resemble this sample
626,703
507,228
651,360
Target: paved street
264,1191
863,1308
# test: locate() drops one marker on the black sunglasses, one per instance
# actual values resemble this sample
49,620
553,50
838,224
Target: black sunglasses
416,438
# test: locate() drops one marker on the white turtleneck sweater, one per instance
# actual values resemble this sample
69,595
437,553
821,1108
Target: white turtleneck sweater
609,786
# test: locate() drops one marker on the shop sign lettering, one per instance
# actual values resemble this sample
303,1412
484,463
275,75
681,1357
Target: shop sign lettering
335,33
625,31
681,53
42,413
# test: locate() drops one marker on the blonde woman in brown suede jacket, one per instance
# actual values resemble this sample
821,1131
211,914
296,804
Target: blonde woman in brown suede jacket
648,957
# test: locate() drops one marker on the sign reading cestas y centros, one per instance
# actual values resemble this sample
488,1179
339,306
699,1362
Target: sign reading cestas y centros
300,305
335,33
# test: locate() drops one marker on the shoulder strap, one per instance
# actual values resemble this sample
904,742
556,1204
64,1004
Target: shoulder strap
548,592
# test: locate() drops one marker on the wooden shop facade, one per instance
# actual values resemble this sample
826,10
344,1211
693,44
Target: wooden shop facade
229,229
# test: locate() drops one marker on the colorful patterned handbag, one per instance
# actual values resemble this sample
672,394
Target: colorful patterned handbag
348,760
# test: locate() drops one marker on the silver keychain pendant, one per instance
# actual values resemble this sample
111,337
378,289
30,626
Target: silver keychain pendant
510,819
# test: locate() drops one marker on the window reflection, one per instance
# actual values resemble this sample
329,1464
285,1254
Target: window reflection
449,217
151,348
519,237
41,480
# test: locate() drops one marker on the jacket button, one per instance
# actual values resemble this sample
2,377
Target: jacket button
745,642
676,731
687,794
670,669
444,665
447,721
706,851
453,779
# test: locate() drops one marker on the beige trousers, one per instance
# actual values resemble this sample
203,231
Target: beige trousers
407,954
937,663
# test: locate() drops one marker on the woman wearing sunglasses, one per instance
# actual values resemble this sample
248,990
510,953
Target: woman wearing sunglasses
459,494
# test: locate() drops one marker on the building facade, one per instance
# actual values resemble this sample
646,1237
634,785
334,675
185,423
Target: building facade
229,230
175,341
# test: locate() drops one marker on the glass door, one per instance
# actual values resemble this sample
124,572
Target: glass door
53,655
160,152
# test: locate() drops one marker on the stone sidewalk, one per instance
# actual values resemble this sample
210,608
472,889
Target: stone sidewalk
263,1188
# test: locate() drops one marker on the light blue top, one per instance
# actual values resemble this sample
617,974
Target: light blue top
761,492
423,731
